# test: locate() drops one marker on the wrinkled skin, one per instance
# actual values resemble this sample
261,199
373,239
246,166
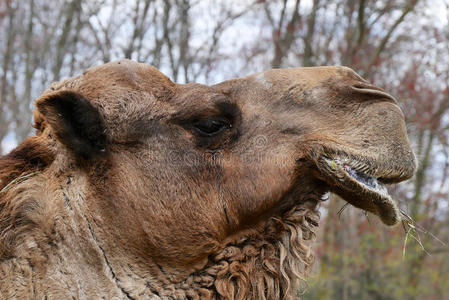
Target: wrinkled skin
139,188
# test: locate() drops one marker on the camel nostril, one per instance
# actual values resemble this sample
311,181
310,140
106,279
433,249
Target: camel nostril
359,86
371,90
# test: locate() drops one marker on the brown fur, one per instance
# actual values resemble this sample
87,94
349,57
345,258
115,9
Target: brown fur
120,195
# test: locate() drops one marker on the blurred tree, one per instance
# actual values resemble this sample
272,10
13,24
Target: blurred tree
10,11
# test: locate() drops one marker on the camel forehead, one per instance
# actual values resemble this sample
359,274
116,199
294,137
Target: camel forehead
127,75
308,77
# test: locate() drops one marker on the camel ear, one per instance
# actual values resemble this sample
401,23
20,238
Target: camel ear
75,121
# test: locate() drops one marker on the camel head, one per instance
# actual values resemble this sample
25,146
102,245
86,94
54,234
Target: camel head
169,176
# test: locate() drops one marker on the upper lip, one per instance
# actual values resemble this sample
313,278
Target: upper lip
360,174
387,172
372,182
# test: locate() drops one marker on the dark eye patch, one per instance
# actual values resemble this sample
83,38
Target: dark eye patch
211,127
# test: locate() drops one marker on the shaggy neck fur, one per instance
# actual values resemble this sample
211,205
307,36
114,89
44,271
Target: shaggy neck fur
268,262
56,251
263,264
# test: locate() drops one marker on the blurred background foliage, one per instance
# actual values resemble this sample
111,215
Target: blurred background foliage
400,45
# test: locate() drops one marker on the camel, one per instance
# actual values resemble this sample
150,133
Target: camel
135,187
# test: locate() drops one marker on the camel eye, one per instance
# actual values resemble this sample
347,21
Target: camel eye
211,127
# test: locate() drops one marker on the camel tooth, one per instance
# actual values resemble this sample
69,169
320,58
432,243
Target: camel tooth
325,196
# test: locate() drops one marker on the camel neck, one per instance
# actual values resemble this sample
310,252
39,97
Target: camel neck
269,260
71,252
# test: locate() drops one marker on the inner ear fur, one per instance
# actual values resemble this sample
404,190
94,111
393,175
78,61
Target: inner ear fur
76,123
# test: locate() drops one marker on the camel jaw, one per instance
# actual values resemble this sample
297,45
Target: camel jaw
361,188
